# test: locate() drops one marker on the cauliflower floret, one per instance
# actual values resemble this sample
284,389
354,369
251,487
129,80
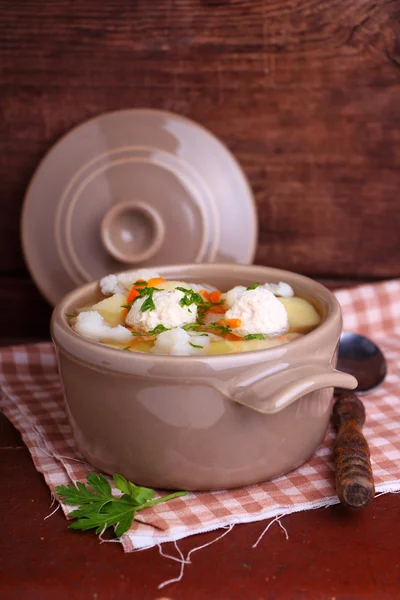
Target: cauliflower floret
126,280
232,295
109,285
282,289
179,341
114,284
260,312
167,311
90,324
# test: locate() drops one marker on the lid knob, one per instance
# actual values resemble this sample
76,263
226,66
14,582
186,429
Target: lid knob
132,232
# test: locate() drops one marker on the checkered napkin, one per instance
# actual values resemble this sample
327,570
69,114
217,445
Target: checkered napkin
32,400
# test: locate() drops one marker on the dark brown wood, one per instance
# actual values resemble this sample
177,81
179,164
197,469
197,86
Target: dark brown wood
354,478
307,96
23,311
330,553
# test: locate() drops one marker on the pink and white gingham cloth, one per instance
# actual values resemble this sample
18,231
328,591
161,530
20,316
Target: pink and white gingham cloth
32,400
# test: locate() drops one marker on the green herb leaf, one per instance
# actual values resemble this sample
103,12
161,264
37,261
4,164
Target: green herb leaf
99,509
195,345
76,495
143,292
253,287
147,292
136,495
142,283
159,329
222,329
99,484
148,304
141,333
127,348
201,314
70,316
254,336
190,297
191,327
123,485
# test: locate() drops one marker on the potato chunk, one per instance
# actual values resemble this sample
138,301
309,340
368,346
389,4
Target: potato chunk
302,315
223,347
111,309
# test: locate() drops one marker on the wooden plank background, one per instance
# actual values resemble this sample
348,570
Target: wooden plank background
305,93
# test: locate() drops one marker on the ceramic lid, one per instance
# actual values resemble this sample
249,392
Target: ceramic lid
134,188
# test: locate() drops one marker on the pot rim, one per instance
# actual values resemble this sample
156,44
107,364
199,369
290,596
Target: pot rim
315,289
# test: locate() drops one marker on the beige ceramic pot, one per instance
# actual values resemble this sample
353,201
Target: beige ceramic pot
202,422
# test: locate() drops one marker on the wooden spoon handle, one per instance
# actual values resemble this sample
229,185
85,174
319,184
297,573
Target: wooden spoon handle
354,479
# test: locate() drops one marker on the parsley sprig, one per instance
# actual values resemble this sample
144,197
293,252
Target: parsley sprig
254,336
100,509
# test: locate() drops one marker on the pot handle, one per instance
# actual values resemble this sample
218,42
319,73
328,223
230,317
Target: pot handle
275,391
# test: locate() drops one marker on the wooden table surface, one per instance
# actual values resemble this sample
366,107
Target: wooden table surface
331,553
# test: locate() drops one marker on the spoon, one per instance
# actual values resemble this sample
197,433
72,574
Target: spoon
354,479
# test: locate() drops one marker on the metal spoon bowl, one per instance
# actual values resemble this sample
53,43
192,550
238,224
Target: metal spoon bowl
362,358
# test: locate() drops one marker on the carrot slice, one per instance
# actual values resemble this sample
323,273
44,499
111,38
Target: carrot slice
132,294
155,281
218,309
215,296
232,337
234,323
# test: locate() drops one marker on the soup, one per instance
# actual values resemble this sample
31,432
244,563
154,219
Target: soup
142,312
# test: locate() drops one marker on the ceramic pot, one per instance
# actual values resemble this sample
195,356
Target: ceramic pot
202,422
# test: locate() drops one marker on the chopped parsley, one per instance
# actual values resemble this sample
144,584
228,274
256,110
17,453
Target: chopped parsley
254,336
159,329
190,297
70,316
147,293
195,345
148,304
191,327
222,329
253,287
202,310
140,282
